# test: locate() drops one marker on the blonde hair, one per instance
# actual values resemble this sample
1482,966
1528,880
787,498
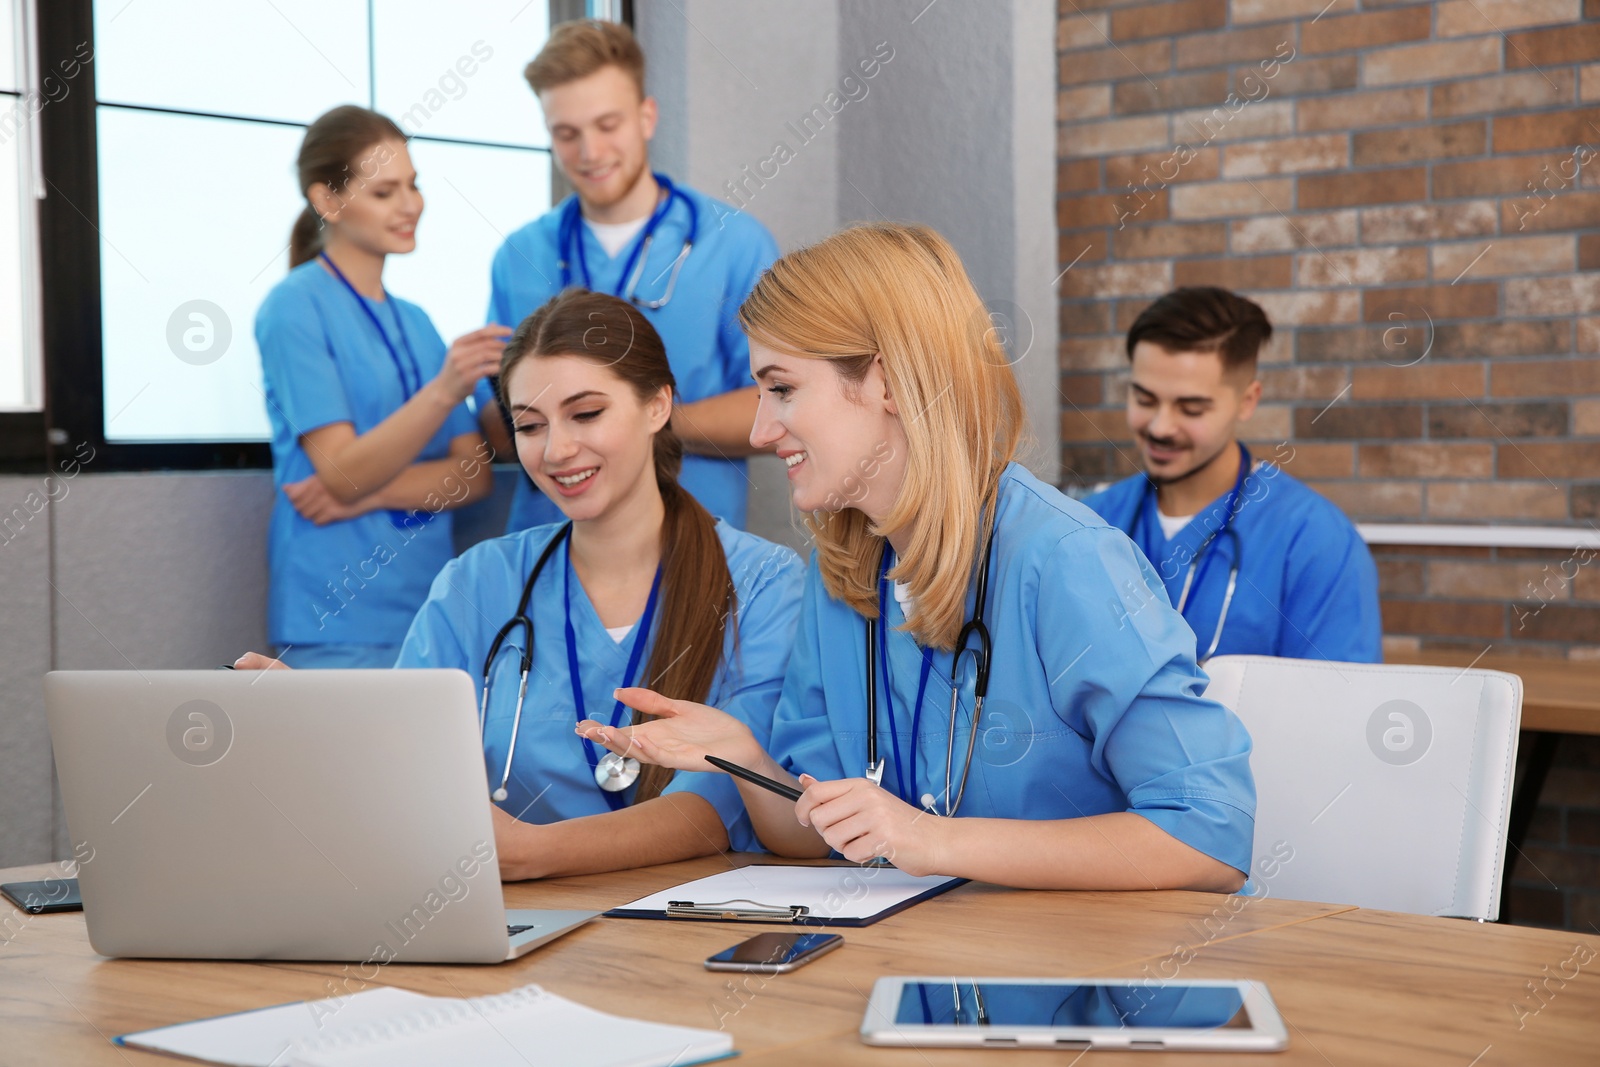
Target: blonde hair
579,48
900,292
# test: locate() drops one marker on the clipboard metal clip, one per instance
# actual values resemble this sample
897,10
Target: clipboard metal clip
721,909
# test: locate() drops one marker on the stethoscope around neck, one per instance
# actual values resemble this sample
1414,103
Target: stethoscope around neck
878,661
612,773
1202,556
569,237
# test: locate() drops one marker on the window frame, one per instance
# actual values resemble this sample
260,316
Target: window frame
72,422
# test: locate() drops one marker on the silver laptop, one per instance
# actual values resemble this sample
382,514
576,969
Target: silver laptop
291,815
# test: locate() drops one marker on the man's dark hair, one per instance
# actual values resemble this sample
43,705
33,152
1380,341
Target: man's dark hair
1204,318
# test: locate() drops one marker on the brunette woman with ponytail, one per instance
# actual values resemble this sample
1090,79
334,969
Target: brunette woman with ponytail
639,572
371,439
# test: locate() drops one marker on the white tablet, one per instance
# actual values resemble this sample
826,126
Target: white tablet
1075,1013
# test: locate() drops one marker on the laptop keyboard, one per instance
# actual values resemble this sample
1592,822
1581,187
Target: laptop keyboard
513,931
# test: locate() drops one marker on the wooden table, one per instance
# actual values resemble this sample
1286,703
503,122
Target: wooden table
1356,986
1559,696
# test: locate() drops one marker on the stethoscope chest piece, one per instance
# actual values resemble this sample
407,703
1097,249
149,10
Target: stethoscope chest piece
615,773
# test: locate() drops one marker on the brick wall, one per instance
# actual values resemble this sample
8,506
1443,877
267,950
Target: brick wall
1412,191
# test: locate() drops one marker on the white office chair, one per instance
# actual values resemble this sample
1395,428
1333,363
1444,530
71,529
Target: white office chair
1389,784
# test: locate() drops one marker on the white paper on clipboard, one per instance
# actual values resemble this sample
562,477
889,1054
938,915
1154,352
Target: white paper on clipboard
835,896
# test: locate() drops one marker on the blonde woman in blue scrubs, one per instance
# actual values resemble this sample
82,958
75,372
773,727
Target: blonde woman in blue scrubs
639,584
1096,764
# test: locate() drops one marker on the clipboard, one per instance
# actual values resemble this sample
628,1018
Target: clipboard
792,896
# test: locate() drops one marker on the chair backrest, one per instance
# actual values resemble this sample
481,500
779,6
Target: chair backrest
1379,785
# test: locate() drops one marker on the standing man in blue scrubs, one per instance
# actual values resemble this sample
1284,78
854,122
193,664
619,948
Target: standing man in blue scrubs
682,258
1256,561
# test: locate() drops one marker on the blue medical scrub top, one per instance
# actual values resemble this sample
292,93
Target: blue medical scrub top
357,582
1308,588
705,346
1087,713
550,776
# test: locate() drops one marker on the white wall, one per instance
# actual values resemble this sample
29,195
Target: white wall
959,133
957,130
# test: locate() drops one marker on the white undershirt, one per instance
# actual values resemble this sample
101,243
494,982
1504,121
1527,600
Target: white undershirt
1171,524
619,633
903,597
614,236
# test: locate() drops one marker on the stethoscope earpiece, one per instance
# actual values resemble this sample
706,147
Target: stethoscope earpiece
499,795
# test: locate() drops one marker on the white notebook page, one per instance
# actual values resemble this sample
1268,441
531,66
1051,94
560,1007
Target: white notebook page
262,1038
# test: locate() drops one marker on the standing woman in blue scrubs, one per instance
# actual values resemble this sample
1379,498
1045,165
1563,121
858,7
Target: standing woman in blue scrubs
1094,762
639,585
371,439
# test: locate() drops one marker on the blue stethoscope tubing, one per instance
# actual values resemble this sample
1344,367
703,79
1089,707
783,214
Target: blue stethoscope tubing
877,632
1202,558
524,622
568,237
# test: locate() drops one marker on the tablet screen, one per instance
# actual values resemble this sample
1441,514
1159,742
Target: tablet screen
1049,1004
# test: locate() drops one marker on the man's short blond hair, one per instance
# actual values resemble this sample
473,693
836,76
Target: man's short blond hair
577,49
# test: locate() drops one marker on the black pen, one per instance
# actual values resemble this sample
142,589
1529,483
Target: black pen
756,779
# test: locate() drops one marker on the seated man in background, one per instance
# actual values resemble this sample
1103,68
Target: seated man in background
1255,560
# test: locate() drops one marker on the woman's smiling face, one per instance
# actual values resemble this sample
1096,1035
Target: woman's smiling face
842,442
582,433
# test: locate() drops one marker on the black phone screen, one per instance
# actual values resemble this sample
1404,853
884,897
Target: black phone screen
51,894
773,948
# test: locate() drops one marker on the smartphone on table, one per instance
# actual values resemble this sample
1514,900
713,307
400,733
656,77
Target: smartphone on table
774,953
38,898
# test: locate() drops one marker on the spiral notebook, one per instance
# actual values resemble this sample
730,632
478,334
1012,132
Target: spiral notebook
400,1029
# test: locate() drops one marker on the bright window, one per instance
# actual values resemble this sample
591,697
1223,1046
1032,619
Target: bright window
200,110
20,386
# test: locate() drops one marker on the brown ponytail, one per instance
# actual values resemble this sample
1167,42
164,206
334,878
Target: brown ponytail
697,595
336,153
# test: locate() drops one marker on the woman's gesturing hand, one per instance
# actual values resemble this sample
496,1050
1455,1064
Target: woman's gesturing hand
473,357
680,736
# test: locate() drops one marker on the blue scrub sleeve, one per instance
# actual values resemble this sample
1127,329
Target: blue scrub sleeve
298,364
732,344
1331,596
749,686
1123,674
434,639
462,423
802,737
499,312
